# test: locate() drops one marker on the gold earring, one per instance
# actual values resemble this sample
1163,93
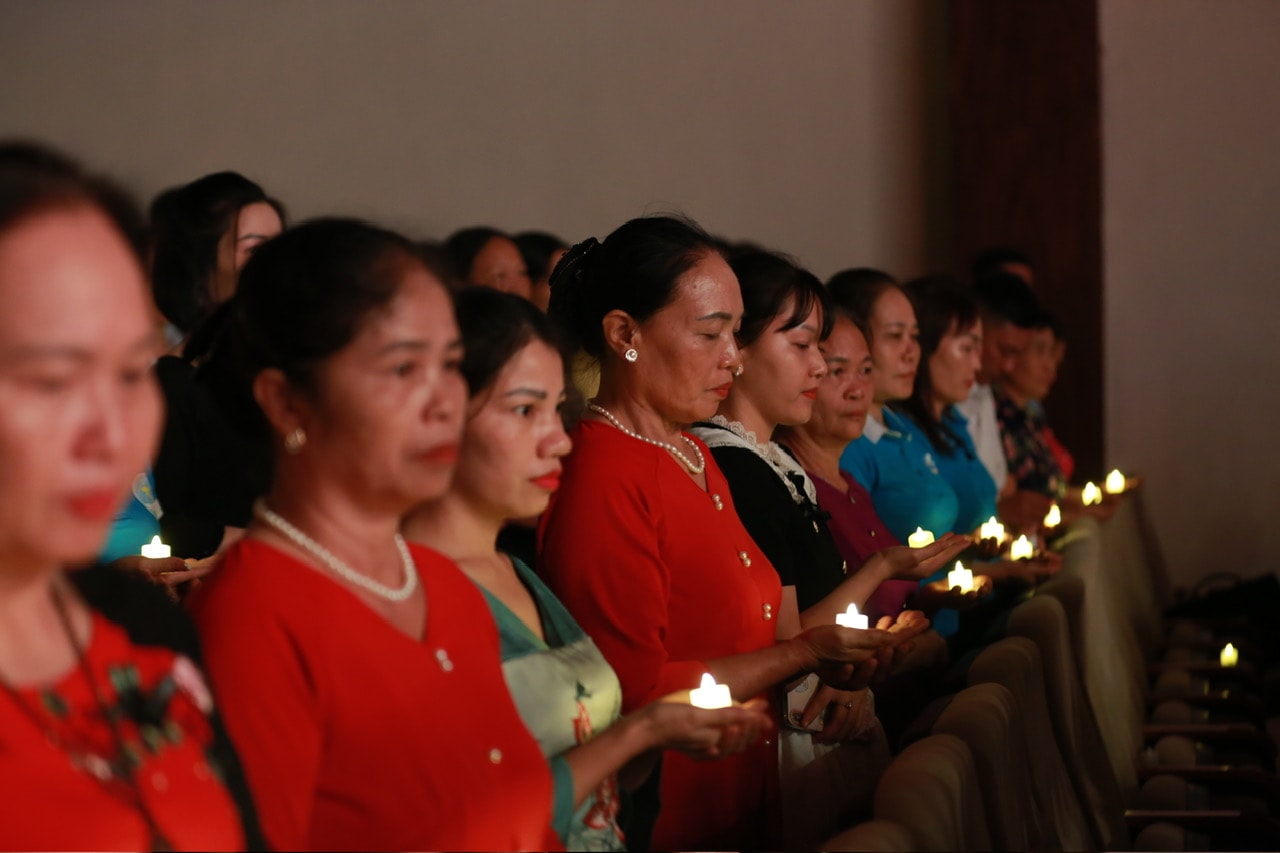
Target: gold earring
295,441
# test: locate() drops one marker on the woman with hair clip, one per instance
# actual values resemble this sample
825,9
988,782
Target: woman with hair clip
108,735
508,467
786,316
642,543
360,674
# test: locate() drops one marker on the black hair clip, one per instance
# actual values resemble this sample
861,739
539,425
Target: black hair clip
570,262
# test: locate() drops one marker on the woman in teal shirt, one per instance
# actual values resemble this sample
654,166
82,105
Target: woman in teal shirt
567,694
950,356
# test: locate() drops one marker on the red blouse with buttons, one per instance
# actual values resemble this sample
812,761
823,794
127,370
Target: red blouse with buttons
663,576
355,736
61,784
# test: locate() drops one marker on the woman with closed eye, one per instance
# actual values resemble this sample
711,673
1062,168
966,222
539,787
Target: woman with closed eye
508,467
642,543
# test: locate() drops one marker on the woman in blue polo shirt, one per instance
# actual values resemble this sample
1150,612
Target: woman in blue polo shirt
950,356
892,460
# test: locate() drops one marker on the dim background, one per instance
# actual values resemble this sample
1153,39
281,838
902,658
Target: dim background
811,127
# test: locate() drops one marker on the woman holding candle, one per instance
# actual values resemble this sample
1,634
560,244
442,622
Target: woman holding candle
642,543
108,735
508,467
892,459
361,675
951,354
786,315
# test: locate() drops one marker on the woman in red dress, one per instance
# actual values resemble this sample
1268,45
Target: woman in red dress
108,736
360,676
642,542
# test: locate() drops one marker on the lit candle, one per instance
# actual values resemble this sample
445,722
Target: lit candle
1053,517
920,538
1115,482
960,577
851,618
710,695
1091,494
155,549
1021,549
1229,656
991,529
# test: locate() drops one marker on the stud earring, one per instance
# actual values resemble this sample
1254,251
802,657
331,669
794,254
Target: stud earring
295,441
631,355
737,371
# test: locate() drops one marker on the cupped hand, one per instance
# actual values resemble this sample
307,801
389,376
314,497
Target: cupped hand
704,733
837,644
171,572
940,595
906,563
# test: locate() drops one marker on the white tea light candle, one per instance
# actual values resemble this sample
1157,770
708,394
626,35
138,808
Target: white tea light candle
710,695
155,549
991,529
920,538
851,618
960,577
1021,549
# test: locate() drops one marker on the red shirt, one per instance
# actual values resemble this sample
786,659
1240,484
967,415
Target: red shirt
355,736
50,803
663,576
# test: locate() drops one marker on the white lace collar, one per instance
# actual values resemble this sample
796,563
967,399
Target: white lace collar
734,434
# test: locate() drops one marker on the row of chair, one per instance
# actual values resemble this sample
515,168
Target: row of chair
1062,741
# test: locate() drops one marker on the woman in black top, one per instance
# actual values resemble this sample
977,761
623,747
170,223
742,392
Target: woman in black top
786,315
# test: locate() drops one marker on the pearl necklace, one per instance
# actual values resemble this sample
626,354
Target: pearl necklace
694,468
325,556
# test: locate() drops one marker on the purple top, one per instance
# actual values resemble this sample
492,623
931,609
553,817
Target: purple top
859,533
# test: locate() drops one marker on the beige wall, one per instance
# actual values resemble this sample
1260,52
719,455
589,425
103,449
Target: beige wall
1191,130
796,124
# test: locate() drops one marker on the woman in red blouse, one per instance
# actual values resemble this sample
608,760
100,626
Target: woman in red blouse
108,737
360,676
642,542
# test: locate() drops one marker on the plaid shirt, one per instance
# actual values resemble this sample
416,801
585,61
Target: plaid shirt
1032,464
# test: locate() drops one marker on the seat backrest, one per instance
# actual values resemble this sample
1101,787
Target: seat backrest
879,836
1128,570
985,717
1057,820
1113,665
932,790
1042,620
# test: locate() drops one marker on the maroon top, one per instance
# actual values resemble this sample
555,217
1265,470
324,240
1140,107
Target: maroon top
859,533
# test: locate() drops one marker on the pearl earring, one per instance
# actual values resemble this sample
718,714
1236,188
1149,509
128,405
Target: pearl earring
631,355
295,441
